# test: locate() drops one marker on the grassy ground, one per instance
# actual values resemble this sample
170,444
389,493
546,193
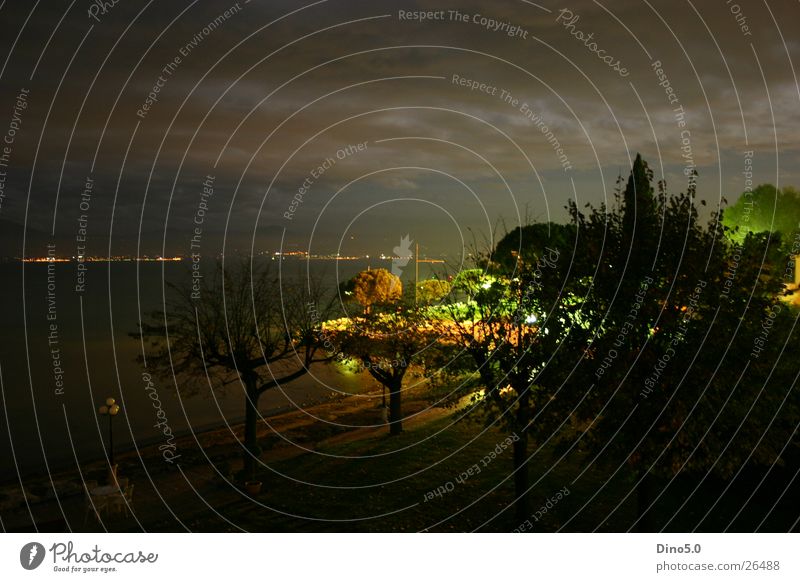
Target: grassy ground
322,477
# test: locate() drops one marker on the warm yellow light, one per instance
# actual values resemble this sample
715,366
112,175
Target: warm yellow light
110,407
506,390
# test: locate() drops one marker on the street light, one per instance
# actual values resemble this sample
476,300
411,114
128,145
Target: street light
111,409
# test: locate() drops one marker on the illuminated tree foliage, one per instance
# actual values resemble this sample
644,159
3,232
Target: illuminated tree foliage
432,291
520,326
376,287
766,208
387,342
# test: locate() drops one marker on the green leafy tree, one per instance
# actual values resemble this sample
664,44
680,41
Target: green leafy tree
530,242
766,208
432,291
521,326
669,360
639,339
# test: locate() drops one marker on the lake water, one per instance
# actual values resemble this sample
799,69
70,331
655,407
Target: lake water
43,423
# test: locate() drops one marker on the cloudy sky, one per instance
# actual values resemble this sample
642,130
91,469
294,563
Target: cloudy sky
271,99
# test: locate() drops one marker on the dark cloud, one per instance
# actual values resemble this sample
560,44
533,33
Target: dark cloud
262,97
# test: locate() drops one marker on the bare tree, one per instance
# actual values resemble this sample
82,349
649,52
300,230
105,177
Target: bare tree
242,327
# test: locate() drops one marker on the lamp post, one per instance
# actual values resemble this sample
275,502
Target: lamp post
110,409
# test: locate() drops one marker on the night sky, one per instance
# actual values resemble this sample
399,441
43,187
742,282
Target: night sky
266,104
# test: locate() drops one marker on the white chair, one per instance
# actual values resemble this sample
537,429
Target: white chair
95,504
121,501
129,499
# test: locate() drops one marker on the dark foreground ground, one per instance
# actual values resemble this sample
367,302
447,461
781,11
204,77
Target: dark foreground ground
323,477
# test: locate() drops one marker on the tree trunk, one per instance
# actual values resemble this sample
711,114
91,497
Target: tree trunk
250,424
395,410
521,477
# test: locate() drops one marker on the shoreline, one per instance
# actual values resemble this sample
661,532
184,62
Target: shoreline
212,451
231,425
